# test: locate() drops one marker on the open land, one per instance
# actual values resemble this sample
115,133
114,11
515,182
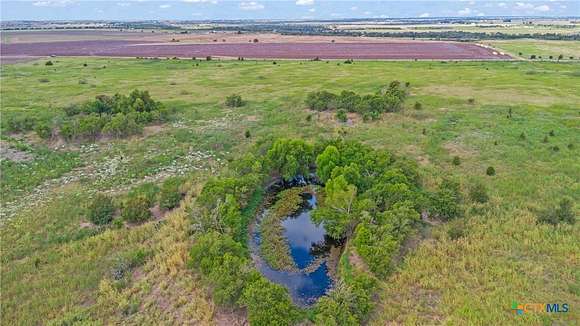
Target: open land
504,254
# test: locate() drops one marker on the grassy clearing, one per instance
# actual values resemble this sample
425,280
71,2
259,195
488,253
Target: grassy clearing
503,256
542,48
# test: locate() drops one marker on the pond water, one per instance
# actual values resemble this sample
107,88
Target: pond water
308,247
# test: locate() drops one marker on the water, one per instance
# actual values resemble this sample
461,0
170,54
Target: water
307,243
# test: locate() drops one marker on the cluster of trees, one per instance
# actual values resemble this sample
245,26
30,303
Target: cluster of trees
369,197
389,99
135,206
116,116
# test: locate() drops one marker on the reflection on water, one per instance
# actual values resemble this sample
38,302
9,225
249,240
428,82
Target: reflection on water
307,242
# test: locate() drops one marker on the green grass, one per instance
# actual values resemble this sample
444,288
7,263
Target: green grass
504,256
542,48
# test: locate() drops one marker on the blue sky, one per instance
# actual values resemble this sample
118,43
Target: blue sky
257,9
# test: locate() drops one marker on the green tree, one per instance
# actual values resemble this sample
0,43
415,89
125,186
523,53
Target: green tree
268,304
290,157
337,209
326,162
170,194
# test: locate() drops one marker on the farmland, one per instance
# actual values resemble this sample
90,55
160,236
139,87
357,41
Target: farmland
501,255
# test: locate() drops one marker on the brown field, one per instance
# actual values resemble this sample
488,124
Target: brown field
397,49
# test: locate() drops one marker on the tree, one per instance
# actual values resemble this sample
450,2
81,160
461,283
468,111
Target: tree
101,209
290,157
268,304
338,207
490,171
326,162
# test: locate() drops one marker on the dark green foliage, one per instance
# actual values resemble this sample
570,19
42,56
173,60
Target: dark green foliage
563,213
116,116
49,63
290,157
234,101
216,189
445,202
43,130
136,208
478,193
456,160
247,134
456,230
490,171
101,209
341,115
349,302
552,133
418,106
545,139
170,195
268,304
389,99
523,136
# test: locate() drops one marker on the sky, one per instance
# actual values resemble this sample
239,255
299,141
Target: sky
263,9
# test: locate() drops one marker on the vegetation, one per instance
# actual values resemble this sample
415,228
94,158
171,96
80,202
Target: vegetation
101,209
234,101
563,213
72,265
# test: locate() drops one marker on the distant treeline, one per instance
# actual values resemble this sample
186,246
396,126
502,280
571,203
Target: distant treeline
291,29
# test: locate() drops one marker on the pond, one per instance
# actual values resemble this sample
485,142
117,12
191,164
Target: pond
309,248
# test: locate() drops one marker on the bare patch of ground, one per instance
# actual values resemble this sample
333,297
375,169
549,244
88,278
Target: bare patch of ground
12,154
457,149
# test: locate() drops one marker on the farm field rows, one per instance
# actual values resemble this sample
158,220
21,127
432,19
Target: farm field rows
387,50
502,256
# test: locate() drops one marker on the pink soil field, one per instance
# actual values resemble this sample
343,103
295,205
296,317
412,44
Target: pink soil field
386,50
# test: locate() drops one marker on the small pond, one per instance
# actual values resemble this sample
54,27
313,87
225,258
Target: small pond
309,248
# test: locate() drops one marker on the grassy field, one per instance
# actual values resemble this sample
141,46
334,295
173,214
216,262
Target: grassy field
55,267
539,48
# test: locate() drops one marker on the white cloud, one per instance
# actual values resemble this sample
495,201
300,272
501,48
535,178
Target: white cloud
425,15
201,1
164,6
472,2
52,3
563,6
305,2
383,16
464,12
251,5
367,12
123,4
502,4
481,14
354,8
312,10
529,7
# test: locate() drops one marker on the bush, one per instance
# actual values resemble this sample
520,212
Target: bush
563,213
136,208
268,304
456,230
471,101
418,106
49,63
101,209
341,115
247,134
170,194
456,160
490,171
43,130
478,193
234,101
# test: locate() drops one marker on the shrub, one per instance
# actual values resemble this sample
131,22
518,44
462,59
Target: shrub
49,63
268,304
563,213
341,115
456,230
101,209
522,136
136,209
418,106
551,133
170,194
234,101
490,171
43,130
545,139
247,134
478,193
471,101
456,160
